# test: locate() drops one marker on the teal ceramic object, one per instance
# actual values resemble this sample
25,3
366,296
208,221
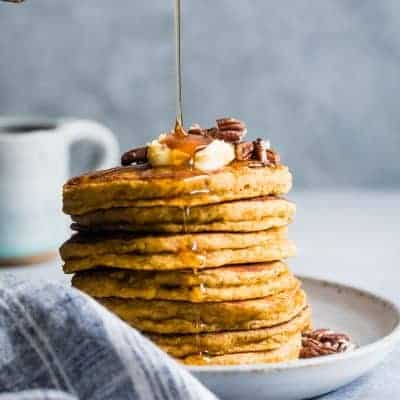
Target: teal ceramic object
34,164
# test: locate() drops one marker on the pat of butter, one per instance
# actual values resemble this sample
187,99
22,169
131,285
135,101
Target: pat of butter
216,155
159,154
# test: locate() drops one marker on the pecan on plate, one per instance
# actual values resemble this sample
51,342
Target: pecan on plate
322,342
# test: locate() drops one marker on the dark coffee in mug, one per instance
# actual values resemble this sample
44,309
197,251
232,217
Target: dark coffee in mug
27,128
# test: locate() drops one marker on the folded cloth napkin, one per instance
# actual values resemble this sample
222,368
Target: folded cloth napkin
58,344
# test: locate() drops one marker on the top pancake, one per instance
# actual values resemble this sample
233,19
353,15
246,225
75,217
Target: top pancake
142,186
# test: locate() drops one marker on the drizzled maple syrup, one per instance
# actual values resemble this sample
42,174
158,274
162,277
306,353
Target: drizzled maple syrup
198,290
185,142
188,143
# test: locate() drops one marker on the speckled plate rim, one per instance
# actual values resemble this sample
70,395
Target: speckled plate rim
386,341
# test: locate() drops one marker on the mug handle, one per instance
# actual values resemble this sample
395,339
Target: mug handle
97,134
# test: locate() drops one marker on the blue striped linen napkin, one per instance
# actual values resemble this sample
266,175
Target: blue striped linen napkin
58,344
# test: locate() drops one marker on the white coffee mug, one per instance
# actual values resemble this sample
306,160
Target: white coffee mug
34,164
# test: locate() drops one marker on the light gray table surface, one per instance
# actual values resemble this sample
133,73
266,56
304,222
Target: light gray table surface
347,236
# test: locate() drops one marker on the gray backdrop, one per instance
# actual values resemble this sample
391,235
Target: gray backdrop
319,78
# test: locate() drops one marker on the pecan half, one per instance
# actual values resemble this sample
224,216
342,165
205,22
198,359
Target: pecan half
230,130
196,129
230,124
244,151
260,151
228,136
322,342
273,157
138,156
212,132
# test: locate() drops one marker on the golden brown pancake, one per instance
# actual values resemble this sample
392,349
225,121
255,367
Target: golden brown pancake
141,186
287,352
242,282
236,275
271,251
85,244
226,226
221,216
161,316
235,341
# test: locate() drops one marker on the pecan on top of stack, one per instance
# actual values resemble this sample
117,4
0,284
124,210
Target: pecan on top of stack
205,149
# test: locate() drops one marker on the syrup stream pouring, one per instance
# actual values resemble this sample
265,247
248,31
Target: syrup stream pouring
179,117
180,131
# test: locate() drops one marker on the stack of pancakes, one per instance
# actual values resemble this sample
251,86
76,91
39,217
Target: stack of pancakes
192,259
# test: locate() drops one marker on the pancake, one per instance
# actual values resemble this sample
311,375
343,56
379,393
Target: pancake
237,275
226,226
221,284
83,245
142,186
287,352
271,251
160,316
272,210
233,342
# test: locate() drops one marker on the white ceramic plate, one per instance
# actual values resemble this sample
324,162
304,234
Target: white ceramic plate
372,322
